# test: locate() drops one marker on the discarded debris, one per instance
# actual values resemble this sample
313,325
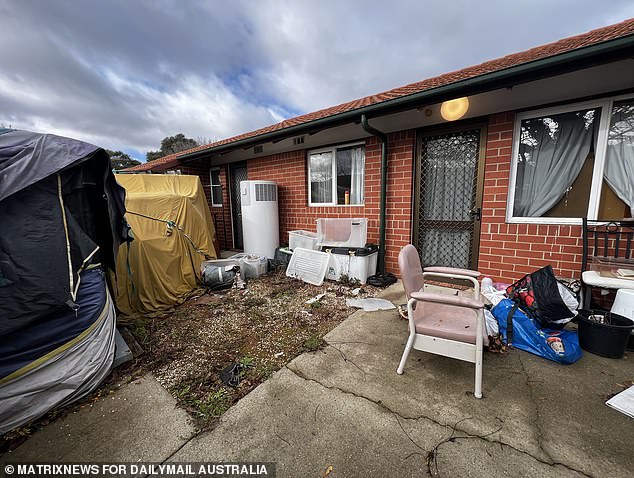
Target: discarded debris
315,299
230,375
370,304
623,402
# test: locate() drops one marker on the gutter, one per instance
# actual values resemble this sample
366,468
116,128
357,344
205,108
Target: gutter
584,57
380,266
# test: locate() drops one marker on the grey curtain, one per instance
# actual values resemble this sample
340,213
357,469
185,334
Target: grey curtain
446,248
619,160
449,172
552,152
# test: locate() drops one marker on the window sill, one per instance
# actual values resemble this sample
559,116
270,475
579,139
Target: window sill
336,205
565,221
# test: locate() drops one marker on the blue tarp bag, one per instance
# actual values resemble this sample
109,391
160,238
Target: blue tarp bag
560,346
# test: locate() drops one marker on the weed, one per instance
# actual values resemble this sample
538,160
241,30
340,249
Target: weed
315,305
264,372
138,330
314,342
215,405
246,362
349,281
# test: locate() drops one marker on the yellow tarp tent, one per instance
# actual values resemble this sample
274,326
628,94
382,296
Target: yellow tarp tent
173,233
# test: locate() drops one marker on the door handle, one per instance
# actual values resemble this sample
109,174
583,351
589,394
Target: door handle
476,213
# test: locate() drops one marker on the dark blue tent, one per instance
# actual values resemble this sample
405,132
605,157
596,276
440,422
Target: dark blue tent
61,224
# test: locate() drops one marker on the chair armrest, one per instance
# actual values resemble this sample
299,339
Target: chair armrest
448,300
452,271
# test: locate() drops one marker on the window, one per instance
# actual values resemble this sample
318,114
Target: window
336,175
573,162
216,187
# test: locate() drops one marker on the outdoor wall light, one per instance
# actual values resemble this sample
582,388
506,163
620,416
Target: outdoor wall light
454,109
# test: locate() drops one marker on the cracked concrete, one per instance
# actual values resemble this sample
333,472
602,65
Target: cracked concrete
537,418
345,407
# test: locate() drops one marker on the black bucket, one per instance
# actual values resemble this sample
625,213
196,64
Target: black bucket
607,340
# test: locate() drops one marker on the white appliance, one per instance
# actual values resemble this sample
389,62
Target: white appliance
260,219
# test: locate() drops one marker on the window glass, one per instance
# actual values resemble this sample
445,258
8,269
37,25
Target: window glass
554,164
321,178
617,194
350,175
216,188
336,175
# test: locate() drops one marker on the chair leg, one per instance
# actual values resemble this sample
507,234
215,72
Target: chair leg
478,376
408,347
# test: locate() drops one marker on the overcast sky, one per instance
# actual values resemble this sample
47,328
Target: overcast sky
123,74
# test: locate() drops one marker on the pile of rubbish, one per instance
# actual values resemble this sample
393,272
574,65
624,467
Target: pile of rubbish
531,314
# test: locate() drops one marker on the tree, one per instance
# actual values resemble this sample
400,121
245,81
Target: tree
121,160
171,145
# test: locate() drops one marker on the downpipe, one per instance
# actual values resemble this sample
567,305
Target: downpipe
383,204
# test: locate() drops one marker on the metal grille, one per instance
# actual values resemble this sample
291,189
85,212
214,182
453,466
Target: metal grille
265,192
237,174
448,183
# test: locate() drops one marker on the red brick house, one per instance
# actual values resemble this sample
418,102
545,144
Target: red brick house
547,138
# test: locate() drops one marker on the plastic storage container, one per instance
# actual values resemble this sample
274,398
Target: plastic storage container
355,263
303,239
254,266
606,340
251,265
624,305
342,232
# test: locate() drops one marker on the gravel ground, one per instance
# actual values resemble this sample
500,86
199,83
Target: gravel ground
261,327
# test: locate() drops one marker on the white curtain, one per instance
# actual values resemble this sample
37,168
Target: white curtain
552,153
619,160
357,175
321,178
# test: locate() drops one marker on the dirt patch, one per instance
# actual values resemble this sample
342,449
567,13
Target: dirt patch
262,328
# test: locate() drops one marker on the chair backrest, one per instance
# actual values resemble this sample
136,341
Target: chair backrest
607,240
411,269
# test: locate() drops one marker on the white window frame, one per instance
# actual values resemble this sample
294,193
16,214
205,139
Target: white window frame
211,186
333,151
599,159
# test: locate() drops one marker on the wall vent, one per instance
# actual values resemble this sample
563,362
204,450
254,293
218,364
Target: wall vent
298,140
258,149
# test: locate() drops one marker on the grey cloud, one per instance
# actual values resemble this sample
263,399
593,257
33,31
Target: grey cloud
124,74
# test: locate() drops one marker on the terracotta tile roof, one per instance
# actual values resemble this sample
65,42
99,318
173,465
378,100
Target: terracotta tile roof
593,37
160,164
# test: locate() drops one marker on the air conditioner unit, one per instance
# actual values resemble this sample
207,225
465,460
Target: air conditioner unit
260,219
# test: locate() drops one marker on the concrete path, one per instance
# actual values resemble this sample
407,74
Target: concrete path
140,422
345,407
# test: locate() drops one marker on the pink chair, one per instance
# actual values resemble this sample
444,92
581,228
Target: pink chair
442,324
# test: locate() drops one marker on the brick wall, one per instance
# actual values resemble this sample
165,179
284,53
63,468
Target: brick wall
221,216
289,171
508,251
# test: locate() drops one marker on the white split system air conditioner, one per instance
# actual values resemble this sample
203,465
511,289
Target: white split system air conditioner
260,217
